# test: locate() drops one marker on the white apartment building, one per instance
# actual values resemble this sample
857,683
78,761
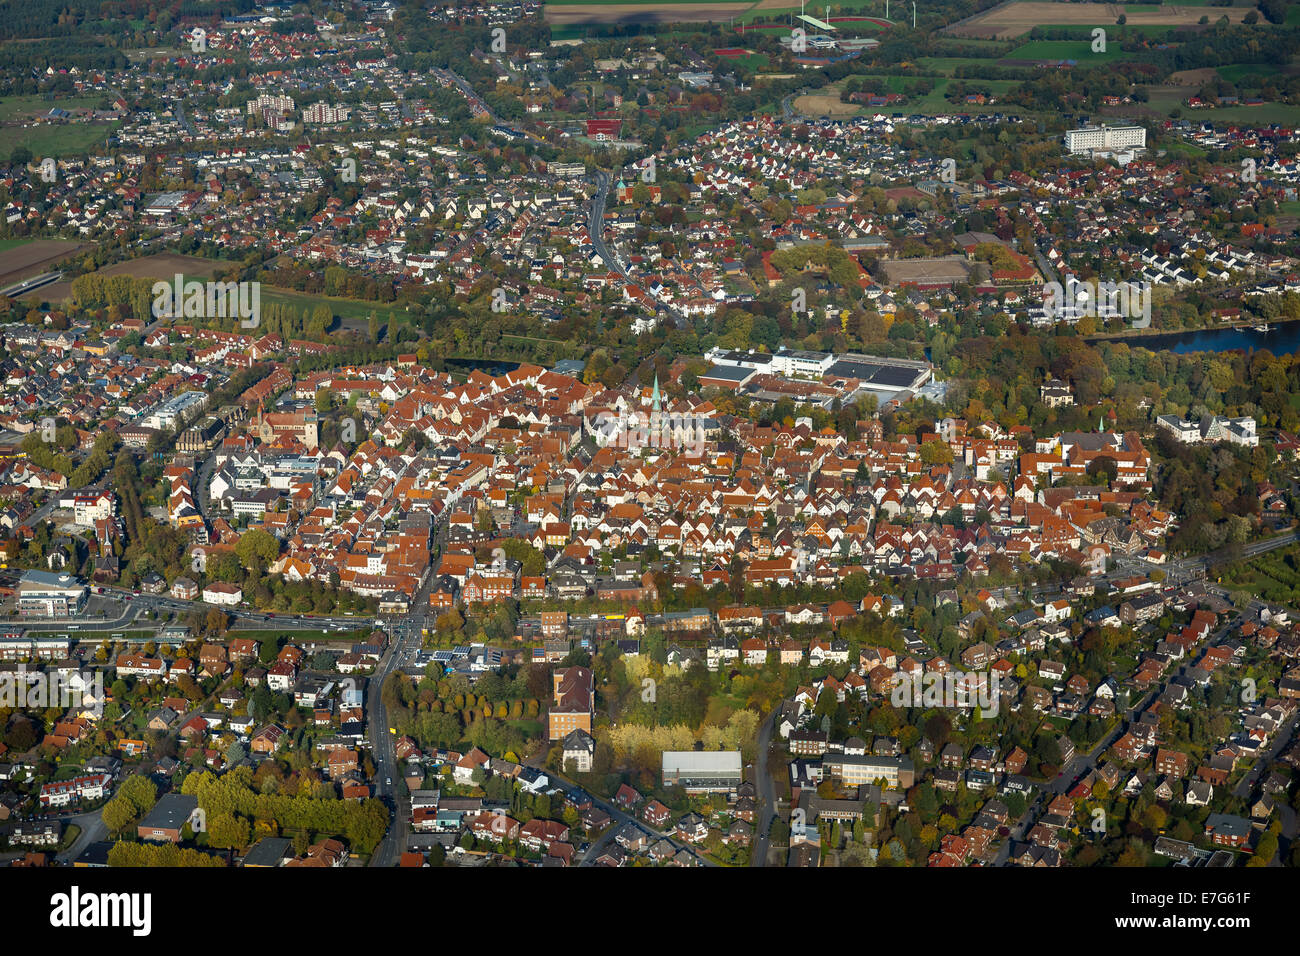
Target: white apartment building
324,113
1091,138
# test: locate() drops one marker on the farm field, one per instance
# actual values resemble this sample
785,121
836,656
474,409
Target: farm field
1238,71
18,109
566,17
1266,113
1078,50
818,104
162,266
55,140
31,257
687,11
1019,17
818,10
946,64
828,104
355,313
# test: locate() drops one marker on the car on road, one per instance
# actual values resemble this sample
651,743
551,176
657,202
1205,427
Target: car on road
388,782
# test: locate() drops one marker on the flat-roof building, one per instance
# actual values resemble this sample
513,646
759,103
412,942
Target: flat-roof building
1090,138
859,770
702,771
168,816
726,376
46,594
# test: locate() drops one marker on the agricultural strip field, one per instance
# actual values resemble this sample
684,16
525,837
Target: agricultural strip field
354,313
75,139
1020,16
22,109
162,266
1056,50
27,258
563,14
18,127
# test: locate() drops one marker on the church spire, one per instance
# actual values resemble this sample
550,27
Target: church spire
655,395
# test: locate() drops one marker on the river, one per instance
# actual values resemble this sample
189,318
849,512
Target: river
1282,339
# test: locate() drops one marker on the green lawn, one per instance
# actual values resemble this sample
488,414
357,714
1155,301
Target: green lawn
945,65
1238,71
1080,50
57,141
355,309
1113,31
69,836
751,61
21,108
529,728
1264,114
7,244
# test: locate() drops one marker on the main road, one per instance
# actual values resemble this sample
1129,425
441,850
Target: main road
596,229
389,785
766,792
1079,765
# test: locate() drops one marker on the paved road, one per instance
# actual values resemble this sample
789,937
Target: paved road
469,93
1080,765
389,786
767,807
31,285
596,223
596,229
92,831
201,483
182,118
